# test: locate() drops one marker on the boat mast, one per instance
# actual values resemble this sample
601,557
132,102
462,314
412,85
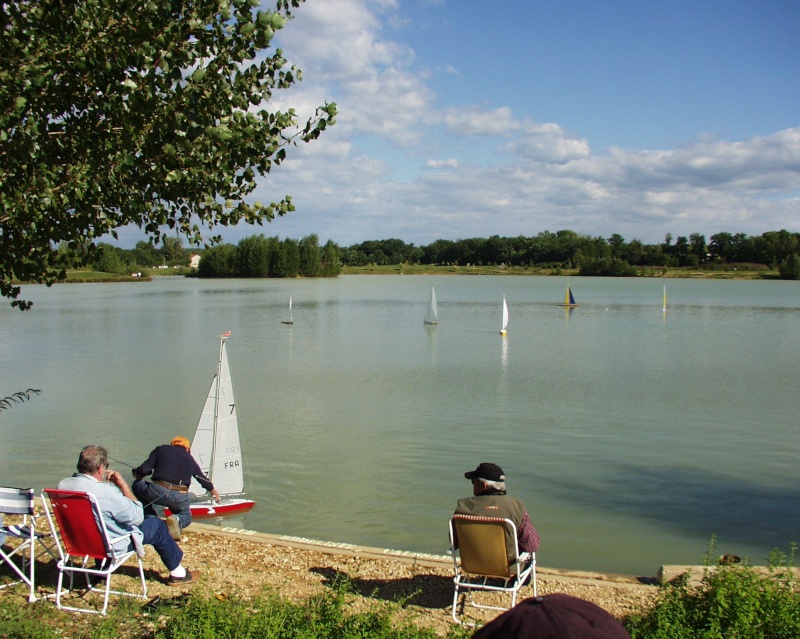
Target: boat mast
222,339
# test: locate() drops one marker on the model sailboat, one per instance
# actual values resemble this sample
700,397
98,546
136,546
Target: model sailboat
217,449
664,303
291,319
504,326
432,316
569,300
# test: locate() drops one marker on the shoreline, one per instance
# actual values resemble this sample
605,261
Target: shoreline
419,586
414,588
405,556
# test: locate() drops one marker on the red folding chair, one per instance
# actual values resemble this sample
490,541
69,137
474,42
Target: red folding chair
84,537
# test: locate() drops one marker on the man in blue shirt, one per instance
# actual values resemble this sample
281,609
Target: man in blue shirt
173,468
123,514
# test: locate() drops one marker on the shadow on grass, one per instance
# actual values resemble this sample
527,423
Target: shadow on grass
427,591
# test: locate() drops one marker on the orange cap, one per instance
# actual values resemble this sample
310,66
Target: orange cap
180,440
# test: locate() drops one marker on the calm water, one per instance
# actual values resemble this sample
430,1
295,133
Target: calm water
632,435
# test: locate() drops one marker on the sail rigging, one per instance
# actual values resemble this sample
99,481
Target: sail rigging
217,448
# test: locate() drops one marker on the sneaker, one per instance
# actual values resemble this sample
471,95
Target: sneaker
190,578
174,527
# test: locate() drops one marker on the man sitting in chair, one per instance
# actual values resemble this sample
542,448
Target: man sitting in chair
490,500
123,514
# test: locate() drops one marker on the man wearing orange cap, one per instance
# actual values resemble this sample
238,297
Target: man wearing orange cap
173,468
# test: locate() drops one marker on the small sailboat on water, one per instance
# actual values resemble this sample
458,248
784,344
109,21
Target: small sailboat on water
290,320
504,326
432,316
664,303
569,300
217,449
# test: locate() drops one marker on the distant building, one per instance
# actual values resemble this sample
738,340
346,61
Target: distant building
194,260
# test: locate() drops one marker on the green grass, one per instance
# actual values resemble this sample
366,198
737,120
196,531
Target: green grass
649,271
733,602
203,616
443,269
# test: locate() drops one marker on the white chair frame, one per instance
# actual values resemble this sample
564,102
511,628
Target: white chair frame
71,564
481,560
20,501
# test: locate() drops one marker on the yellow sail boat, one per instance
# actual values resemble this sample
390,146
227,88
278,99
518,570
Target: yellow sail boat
569,300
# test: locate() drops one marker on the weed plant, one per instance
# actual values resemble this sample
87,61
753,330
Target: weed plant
270,617
734,601
199,616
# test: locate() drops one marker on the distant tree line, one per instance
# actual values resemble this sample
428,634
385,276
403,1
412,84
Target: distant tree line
254,256
107,258
259,256
611,256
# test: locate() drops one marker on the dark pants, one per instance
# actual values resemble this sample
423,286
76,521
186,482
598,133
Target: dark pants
156,534
178,502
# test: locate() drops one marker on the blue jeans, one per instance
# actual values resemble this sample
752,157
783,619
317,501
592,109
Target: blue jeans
178,502
156,534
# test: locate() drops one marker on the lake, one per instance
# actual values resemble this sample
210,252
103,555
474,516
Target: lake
633,435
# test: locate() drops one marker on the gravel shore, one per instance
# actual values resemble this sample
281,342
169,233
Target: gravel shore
240,563
243,563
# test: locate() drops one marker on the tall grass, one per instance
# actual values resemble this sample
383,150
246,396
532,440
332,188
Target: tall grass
733,602
203,616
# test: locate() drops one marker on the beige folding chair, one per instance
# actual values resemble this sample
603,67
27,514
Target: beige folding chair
481,559
84,537
20,501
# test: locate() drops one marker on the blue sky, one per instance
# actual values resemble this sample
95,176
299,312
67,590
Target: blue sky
465,119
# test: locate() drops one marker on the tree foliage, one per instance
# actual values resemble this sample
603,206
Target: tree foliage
611,256
17,398
259,256
120,112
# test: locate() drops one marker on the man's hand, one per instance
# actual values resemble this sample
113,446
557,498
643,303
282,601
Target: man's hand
119,481
215,495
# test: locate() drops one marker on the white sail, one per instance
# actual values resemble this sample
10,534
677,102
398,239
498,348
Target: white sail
291,319
433,315
216,441
505,315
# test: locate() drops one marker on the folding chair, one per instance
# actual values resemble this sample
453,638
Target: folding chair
84,537
20,501
484,559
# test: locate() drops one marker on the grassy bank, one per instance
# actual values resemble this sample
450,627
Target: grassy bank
748,272
741,272
732,601
203,615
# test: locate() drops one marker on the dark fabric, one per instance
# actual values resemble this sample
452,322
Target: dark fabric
507,507
173,464
156,534
488,471
556,616
178,502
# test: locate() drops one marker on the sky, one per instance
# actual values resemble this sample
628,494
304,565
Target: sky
461,119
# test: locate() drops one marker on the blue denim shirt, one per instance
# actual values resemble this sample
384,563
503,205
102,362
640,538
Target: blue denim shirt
121,515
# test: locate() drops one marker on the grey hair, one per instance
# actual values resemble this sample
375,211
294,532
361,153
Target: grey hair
91,458
499,486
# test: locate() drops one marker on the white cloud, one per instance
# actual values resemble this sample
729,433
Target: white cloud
450,163
506,173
